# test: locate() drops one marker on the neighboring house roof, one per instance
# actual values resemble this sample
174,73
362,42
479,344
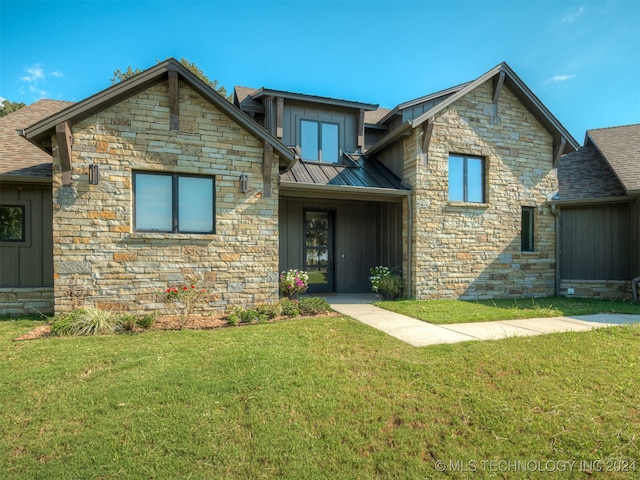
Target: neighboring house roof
585,175
20,159
519,89
620,147
361,173
40,132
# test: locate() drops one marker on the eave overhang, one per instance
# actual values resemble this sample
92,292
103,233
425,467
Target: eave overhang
342,192
40,132
592,201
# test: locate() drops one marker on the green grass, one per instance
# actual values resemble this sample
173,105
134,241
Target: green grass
312,399
443,312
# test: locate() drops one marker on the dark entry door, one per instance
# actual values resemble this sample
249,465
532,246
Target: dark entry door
318,250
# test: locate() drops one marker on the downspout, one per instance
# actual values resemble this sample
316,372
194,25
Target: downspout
556,213
634,288
410,242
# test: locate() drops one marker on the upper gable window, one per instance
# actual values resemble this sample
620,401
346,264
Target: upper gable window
319,141
174,203
466,179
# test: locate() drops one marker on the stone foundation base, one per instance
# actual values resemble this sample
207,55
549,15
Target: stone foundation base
603,289
26,301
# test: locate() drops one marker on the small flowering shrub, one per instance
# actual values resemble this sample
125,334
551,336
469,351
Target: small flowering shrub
385,283
293,282
186,298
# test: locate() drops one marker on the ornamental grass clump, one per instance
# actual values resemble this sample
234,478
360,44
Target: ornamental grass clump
293,283
87,321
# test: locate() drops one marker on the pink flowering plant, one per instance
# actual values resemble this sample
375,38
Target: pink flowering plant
185,298
293,282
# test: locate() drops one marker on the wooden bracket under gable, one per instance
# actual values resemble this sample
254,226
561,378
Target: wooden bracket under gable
174,101
64,138
267,168
558,149
427,131
498,81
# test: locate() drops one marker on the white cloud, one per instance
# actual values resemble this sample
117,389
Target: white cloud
36,78
559,79
35,74
572,17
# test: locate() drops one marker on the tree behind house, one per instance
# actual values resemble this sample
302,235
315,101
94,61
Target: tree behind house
119,76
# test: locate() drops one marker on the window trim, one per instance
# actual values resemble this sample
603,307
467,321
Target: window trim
175,218
531,242
25,241
319,124
465,178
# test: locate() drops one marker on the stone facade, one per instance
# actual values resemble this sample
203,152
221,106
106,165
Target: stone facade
472,251
602,289
98,257
26,301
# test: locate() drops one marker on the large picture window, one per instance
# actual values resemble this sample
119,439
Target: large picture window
319,141
12,223
175,203
466,179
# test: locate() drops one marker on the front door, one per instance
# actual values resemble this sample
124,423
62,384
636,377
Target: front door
318,250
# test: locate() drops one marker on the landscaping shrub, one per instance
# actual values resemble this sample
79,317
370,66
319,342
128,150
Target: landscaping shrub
270,310
289,307
313,305
85,322
146,321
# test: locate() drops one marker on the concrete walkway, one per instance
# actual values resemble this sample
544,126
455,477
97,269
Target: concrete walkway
420,334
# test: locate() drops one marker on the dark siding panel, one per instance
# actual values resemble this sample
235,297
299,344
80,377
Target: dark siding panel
596,243
9,267
31,258
47,238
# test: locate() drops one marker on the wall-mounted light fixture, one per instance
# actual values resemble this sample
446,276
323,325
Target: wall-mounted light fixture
94,174
244,183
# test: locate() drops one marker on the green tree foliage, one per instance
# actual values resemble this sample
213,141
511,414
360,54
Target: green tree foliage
8,107
119,76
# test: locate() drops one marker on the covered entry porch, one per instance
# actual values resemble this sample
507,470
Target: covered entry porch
337,232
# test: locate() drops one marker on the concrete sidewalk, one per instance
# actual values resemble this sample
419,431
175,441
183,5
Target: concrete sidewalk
420,334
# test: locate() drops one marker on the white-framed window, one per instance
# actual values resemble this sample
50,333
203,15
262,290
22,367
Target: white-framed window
466,179
173,203
527,232
319,141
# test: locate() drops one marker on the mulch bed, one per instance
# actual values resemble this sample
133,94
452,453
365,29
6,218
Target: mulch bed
168,322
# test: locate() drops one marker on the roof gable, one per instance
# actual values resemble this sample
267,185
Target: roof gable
620,147
40,132
501,74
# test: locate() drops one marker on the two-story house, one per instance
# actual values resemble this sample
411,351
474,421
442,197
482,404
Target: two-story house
159,180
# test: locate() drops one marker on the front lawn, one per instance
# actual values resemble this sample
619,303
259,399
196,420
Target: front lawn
315,399
443,312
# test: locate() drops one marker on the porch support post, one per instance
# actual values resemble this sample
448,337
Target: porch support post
174,101
64,138
267,168
558,149
279,117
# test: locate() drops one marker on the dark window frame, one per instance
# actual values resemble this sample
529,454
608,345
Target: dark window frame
319,124
175,219
465,178
24,240
527,229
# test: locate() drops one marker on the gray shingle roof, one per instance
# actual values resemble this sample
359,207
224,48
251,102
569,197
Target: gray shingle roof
620,146
19,157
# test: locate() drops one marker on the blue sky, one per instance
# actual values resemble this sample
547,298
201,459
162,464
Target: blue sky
581,58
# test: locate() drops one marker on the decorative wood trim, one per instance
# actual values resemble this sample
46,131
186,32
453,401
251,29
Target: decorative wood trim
361,129
174,101
498,81
267,168
279,117
427,131
268,115
558,150
65,138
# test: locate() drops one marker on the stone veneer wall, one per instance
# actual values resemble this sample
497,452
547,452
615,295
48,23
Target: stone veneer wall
26,301
472,251
604,289
99,259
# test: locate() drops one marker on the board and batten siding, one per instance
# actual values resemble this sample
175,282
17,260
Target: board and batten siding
29,264
595,242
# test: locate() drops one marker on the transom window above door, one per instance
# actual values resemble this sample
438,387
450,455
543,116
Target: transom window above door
319,141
